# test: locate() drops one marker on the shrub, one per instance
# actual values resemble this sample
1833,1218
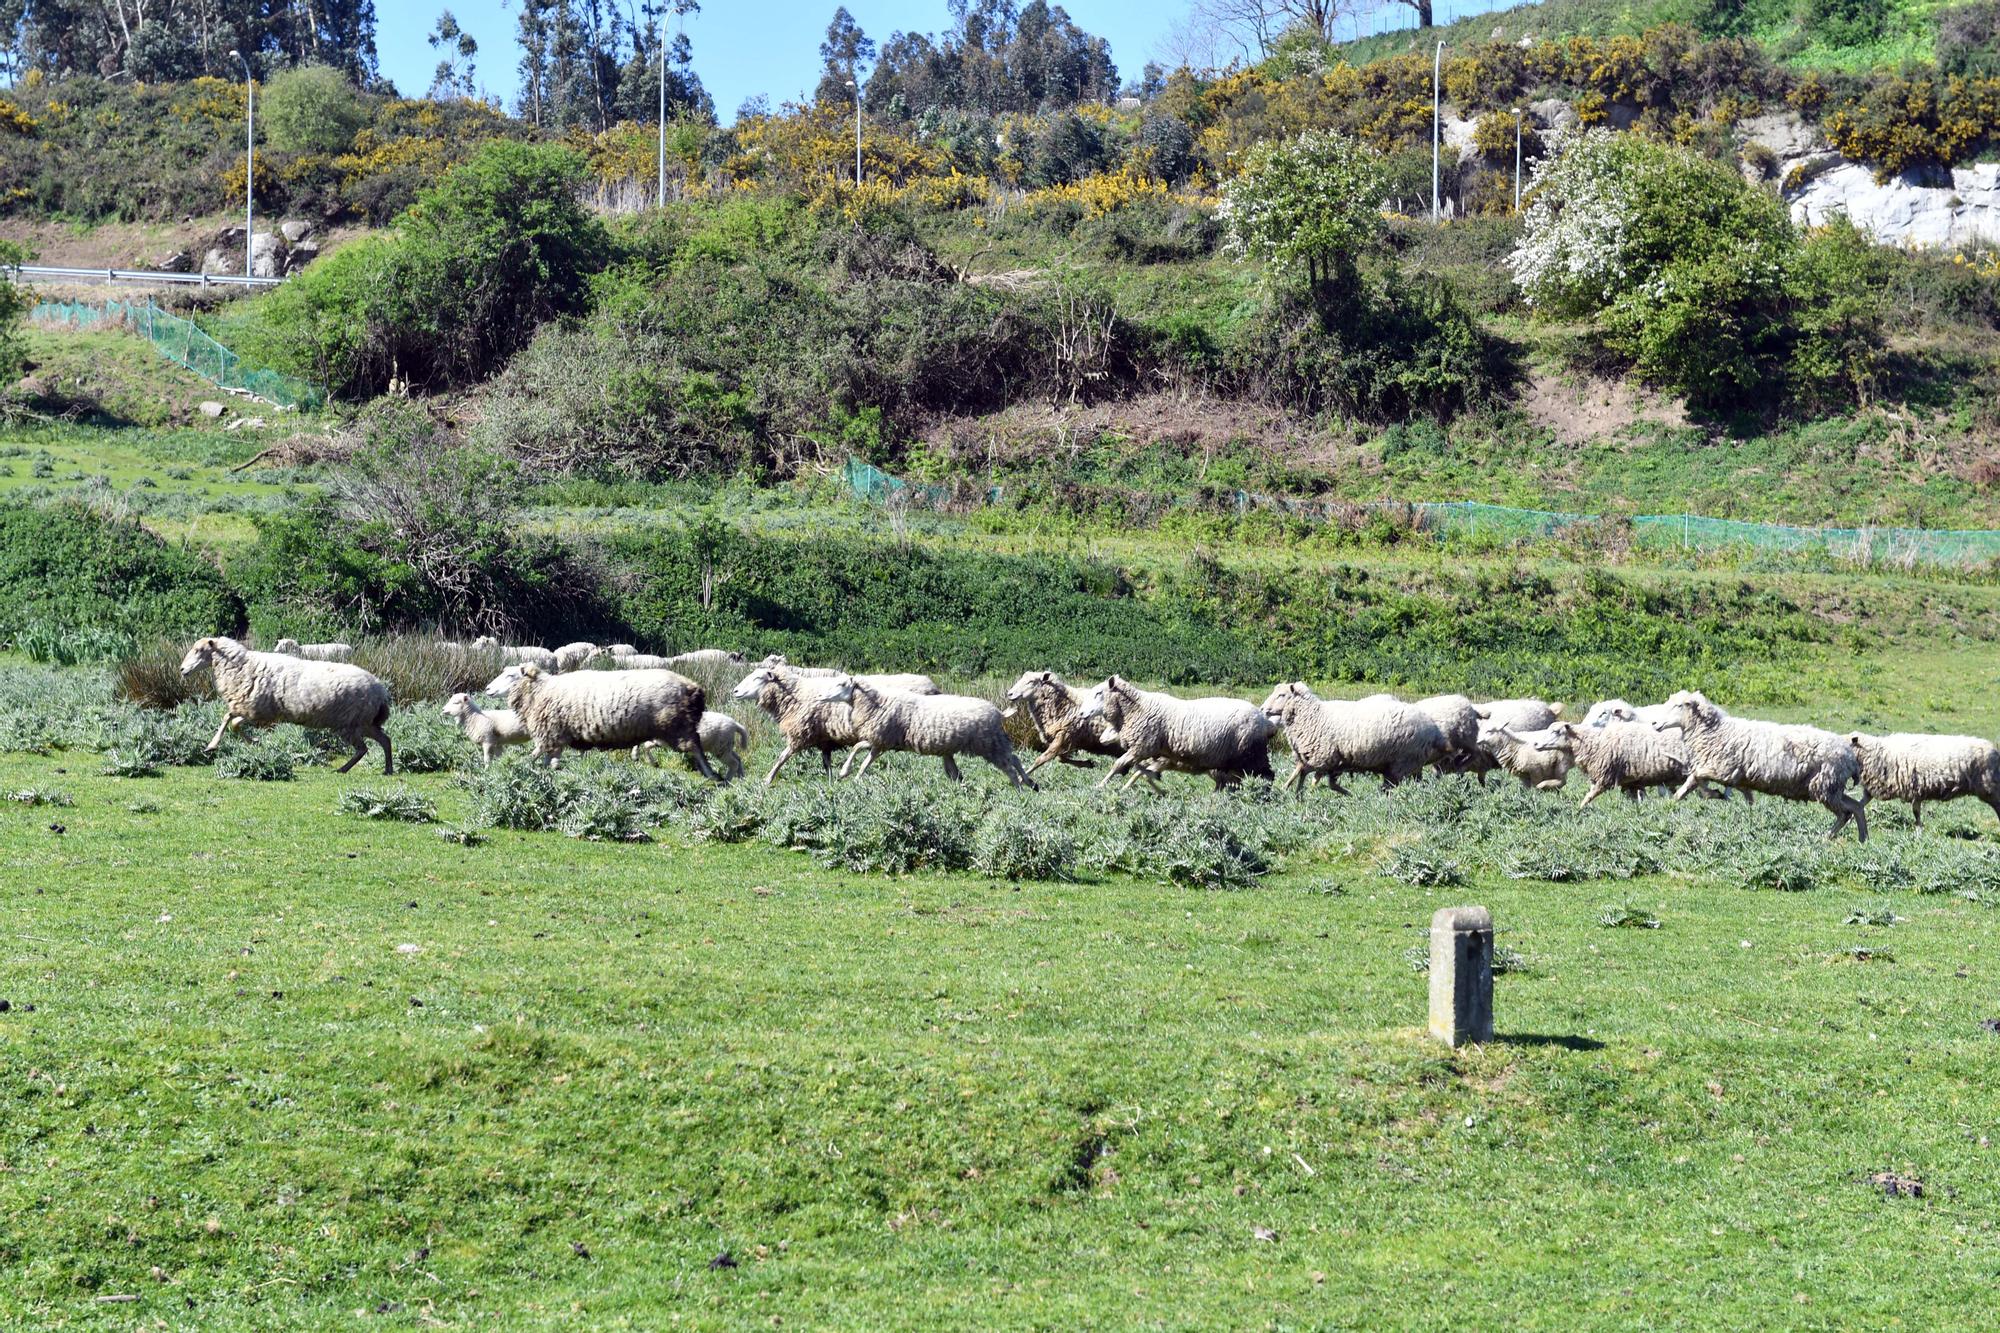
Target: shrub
311,109
1968,40
1206,853
1018,844
64,645
15,302
266,762
67,565
1309,204
425,740
515,796
893,830
398,804
1916,120
1422,869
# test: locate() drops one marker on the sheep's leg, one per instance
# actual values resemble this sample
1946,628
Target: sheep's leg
1598,786
867,762
1075,761
360,753
215,741
700,757
1692,779
1844,808
388,758
1051,755
951,768
1119,765
1297,781
735,764
1917,813
790,750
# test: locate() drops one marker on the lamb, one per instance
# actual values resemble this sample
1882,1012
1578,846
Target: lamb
609,710
1459,721
723,739
1617,710
1629,756
1380,735
264,689
1798,763
492,730
1056,710
1519,715
315,652
1913,768
575,656
1228,739
909,682
716,658
945,725
540,657
1516,752
808,720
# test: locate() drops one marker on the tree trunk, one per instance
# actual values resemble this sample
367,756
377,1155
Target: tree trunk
1423,8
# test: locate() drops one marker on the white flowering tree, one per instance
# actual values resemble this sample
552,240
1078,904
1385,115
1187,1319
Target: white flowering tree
1572,256
1311,204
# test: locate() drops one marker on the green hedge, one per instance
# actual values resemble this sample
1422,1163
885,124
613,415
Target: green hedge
69,565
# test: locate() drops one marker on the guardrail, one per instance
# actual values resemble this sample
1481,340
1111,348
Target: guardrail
137,275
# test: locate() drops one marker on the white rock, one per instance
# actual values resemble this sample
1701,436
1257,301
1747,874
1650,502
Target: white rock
295,230
211,408
1905,210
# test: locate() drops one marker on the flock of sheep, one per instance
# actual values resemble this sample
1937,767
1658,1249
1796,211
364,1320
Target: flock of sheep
644,703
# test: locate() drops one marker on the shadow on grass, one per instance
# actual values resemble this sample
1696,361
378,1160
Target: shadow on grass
1543,1039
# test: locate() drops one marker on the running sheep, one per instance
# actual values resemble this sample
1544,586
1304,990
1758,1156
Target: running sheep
805,717
529,656
1626,756
1517,753
1913,768
1228,739
315,652
576,656
609,710
709,658
1331,737
945,725
1056,709
1797,763
723,739
1519,715
264,689
491,729
909,682
1459,721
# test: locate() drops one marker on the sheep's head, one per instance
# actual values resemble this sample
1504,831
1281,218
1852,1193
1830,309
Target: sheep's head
504,683
485,643
1610,710
775,660
1284,698
736,658
753,684
1028,683
1685,709
289,647
841,690
1561,737
1095,698
201,656
458,707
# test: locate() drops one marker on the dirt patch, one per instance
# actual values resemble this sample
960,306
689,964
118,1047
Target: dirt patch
1578,409
1193,423
138,244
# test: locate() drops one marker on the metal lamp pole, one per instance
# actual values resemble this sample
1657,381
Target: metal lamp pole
1519,112
857,131
249,166
663,125
1437,130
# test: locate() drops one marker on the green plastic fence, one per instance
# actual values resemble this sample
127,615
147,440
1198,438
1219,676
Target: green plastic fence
1892,546
181,340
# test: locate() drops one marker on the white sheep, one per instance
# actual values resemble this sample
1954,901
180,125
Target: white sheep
805,717
712,658
491,729
1519,715
618,650
1459,721
945,725
1056,709
576,655
521,653
1330,737
1617,710
315,652
641,662
909,682
1228,739
1626,756
1906,767
609,710
264,689
1798,763
1516,752
723,739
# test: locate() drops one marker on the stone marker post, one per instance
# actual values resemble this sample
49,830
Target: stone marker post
1462,975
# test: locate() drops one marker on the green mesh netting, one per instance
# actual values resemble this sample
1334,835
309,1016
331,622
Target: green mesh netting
180,340
1501,523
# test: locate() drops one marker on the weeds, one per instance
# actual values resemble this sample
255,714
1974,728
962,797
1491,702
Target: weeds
1627,918
398,804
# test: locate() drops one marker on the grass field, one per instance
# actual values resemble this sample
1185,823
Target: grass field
290,1068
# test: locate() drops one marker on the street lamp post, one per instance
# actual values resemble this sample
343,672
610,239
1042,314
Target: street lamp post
1437,130
663,127
1519,113
857,131
249,166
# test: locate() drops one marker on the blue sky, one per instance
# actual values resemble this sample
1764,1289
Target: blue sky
773,47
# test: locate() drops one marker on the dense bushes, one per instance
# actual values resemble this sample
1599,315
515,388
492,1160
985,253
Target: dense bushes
66,568
489,253
1700,279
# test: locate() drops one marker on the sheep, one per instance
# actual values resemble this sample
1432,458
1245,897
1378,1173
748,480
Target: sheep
803,713
609,710
1913,768
909,682
723,739
576,655
1519,715
945,725
618,650
1056,710
264,689
642,662
492,730
1228,739
1459,721
1798,763
1380,735
315,652
539,657
1629,756
1617,710
1515,751
705,657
